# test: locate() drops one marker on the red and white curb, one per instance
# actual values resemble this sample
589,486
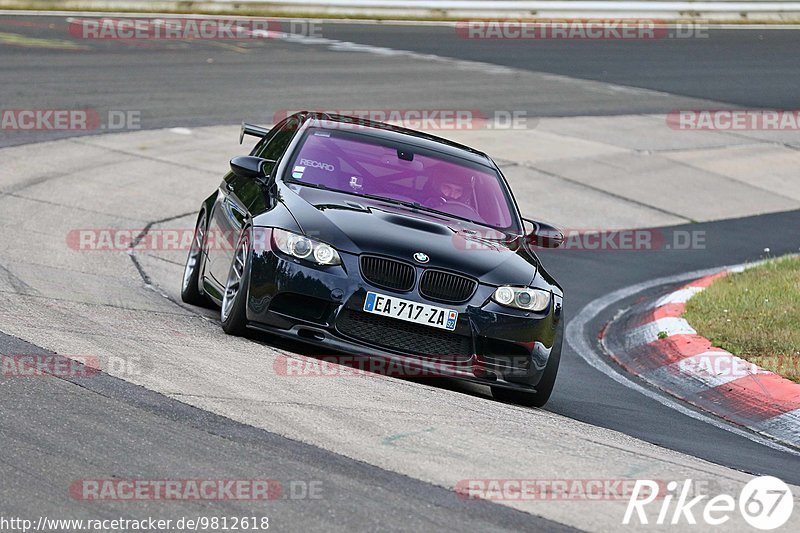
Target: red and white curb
652,341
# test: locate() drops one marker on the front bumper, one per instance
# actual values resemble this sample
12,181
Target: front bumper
323,306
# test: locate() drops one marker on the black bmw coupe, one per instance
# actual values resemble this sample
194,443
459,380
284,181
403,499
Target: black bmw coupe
381,242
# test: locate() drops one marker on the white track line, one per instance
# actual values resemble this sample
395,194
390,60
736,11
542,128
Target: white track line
576,337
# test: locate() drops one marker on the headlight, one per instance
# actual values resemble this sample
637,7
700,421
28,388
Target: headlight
522,298
302,247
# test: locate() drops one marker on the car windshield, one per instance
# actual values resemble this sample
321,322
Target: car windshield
367,166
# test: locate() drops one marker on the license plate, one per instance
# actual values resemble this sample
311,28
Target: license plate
429,315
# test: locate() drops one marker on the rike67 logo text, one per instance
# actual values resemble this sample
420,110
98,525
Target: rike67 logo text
765,503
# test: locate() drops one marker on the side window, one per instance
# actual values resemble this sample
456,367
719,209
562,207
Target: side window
259,147
279,139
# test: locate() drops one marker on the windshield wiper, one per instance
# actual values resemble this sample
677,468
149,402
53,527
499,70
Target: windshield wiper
413,205
312,185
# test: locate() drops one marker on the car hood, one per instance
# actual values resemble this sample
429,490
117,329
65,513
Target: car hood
360,225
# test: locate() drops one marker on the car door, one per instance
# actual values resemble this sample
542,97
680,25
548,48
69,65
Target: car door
237,197
228,217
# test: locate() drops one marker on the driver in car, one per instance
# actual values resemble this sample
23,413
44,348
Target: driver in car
454,195
452,191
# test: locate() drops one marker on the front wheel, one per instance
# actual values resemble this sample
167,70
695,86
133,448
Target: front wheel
233,313
543,390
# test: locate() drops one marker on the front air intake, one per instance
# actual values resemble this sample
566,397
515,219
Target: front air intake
387,273
446,287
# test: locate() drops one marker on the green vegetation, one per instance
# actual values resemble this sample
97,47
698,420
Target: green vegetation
754,314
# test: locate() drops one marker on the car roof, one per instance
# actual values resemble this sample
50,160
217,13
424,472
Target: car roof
399,134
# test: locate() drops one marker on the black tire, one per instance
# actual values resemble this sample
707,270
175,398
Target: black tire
233,313
192,284
543,390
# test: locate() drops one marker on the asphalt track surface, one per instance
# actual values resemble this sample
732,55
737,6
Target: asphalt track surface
58,430
207,83
175,84
754,68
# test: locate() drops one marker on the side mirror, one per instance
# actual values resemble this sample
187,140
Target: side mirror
250,167
544,235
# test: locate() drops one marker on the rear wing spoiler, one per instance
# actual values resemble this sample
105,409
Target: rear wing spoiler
252,129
